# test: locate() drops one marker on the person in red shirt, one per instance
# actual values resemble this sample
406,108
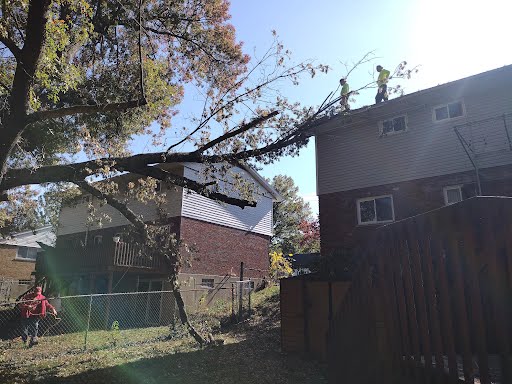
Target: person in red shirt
34,307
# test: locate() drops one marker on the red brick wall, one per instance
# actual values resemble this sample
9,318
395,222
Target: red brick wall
221,249
338,212
14,269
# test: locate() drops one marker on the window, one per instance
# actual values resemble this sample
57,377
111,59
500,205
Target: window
452,194
98,240
207,283
26,253
374,210
394,125
448,111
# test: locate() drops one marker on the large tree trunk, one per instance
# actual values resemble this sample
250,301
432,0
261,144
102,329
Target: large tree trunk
183,313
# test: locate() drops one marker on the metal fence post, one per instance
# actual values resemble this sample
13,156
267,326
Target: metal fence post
240,290
249,293
233,301
88,321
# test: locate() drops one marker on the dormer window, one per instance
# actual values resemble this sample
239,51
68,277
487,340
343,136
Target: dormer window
392,126
449,111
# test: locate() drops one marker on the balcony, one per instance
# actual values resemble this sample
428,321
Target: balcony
96,258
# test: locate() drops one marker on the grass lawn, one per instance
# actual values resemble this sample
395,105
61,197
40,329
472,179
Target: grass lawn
250,354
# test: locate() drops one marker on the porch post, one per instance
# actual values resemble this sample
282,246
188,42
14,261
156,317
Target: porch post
109,299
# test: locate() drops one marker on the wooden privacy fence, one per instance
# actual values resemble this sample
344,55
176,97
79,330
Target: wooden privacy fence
431,301
306,308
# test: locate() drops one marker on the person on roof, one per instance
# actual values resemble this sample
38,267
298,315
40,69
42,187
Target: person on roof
382,82
345,90
34,307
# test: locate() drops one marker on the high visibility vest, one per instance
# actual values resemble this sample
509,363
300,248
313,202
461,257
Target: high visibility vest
345,89
383,76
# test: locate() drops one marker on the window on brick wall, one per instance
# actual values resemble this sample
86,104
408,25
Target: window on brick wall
26,253
374,210
452,194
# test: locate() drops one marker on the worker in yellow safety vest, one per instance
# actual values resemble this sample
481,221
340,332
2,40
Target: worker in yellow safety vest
345,89
382,82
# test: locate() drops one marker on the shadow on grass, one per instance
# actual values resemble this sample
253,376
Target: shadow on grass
246,361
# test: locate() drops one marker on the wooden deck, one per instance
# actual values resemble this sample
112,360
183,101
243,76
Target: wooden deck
97,258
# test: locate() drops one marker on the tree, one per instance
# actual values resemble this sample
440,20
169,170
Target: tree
310,241
82,77
292,218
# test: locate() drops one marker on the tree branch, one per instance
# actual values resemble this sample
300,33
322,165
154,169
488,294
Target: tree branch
84,109
118,205
243,128
200,188
11,45
79,171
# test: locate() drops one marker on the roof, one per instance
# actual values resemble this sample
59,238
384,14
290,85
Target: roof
31,239
502,71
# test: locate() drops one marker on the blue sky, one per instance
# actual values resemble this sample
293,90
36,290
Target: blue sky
449,39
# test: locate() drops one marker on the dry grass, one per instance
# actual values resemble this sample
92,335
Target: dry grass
250,354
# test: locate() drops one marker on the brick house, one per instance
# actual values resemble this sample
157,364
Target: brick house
89,258
18,255
413,154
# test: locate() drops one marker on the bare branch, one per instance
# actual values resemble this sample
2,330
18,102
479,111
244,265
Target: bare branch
84,109
243,128
290,73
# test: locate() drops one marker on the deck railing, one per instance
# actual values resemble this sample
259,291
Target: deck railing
126,254
96,258
431,301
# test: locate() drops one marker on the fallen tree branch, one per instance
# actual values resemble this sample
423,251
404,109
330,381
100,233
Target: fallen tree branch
200,188
118,205
242,129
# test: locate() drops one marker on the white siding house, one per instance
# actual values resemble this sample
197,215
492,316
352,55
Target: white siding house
185,203
354,153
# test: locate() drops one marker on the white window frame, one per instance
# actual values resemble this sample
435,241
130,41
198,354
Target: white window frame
18,257
445,193
446,106
381,126
208,286
100,237
376,221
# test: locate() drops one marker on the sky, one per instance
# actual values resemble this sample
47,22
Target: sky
448,39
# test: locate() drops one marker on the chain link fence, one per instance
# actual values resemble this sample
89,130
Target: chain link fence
103,321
